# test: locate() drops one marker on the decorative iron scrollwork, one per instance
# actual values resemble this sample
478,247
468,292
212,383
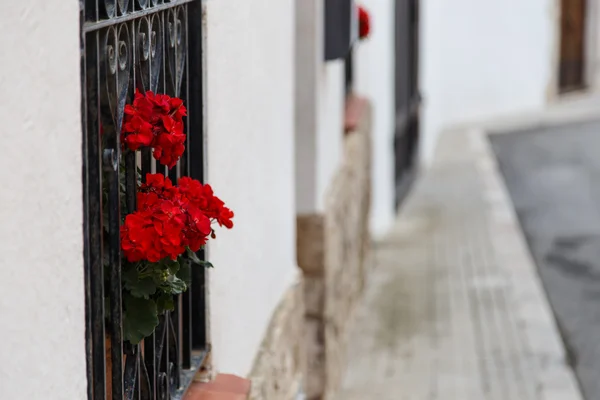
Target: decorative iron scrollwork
150,52
116,73
176,38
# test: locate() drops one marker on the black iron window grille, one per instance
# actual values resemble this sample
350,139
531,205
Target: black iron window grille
127,45
349,73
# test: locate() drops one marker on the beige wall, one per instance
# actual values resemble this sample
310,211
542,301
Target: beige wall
42,335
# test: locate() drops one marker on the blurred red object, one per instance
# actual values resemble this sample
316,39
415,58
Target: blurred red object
364,23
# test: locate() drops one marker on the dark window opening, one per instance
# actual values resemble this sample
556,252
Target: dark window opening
338,28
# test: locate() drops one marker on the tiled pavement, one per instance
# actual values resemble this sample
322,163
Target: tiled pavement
454,309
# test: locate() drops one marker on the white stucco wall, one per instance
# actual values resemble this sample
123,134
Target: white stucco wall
319,109
250,78
42,339
374,78
592,45
330,131
484,58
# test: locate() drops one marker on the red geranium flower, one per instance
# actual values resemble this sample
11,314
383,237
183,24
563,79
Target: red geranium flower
140,132
364,22
169,144
170,218
202,196
153,234
155,120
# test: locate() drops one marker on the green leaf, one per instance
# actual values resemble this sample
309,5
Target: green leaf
141,288
164,303
176,285
192,256
185,273
144,288
173,267
139,319
129,275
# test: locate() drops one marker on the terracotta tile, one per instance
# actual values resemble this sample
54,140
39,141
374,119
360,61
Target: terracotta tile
224,387
206,395
355,107
194,391
233,383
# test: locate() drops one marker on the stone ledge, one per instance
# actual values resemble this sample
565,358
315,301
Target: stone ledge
280,365
310,243
332,249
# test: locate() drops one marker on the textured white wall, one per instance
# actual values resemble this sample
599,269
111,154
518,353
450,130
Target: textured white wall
484,58
319,96
374,78
330,132
250,111
42,339
592,45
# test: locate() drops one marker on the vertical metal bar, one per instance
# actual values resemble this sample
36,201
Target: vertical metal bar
150,361
159,359
172,318
94,181
175,351
186,329
199,307
349,72
172,174
86,236
195,93
129,377
186,297
138,381
165,22
195,159
111,164
166,355
146,163
176,320
130,181
149,358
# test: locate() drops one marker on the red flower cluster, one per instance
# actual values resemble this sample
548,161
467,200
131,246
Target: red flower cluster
155,120
170,218
202,196
364,22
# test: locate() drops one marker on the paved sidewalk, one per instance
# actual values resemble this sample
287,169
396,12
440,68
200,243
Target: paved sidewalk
454,309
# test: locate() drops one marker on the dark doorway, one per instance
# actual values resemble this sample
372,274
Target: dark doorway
572,45
406,136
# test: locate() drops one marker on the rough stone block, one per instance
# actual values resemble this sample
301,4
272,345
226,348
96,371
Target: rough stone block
280,366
